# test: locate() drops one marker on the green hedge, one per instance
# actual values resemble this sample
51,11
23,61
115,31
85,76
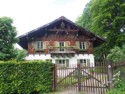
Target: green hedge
25,77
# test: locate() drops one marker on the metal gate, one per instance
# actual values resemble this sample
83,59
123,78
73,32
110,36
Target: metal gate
82,78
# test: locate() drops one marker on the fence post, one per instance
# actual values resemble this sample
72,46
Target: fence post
55,78
79,77
110,75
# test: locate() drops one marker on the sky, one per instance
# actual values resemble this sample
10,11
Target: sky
31,14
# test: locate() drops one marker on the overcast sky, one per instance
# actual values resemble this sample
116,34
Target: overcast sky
30,14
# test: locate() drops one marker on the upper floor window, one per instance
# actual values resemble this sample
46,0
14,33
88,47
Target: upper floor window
39,45
82,45
61,44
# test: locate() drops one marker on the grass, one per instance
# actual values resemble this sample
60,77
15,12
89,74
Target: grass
68,80
71,80
67,93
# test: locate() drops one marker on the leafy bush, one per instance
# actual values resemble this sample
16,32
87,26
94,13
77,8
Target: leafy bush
21,54
119,84
117,54
25,77
119,88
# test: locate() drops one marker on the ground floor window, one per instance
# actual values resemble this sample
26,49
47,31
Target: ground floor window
84,62
62,62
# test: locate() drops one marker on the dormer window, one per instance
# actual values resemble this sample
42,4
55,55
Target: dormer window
82,45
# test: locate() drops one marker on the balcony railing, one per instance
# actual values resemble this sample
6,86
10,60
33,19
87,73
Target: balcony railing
63,50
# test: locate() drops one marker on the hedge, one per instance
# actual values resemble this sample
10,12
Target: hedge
26,77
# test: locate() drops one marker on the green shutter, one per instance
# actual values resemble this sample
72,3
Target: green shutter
67,62
57,61
78,61
77,45
66,44
35,45
56,44
88,62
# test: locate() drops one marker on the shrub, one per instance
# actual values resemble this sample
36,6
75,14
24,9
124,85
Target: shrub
119,88
25,77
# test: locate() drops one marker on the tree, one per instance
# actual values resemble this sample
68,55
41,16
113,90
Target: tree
7,38
106,19
117,54
21,54
85,19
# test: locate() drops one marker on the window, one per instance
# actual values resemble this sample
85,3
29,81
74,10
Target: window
61,49
62,62
39,45
82,45
61,45
84,62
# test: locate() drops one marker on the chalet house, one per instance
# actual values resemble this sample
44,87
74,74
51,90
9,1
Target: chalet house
62,42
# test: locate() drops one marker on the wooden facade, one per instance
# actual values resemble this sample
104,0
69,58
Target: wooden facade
65,33
60,37
53,46
61,29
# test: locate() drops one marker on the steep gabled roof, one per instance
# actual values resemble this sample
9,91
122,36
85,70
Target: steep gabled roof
23,39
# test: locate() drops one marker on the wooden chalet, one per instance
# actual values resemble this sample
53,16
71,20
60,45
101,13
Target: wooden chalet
60,41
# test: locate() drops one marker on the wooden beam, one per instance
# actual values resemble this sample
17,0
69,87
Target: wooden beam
68,30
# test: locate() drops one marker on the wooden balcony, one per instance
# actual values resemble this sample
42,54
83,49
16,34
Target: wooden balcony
63,51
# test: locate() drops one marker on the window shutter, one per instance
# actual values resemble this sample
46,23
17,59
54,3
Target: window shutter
86,45
78,61
35,45
57,61
77,44
67,63
88,62
66,44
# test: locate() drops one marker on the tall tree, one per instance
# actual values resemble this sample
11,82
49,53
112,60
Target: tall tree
7,38
107,19
85,18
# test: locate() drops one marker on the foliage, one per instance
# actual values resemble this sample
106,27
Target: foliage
119,81
106,19
7,38
117,54
25,77
21,54
68,80
119,88
85,19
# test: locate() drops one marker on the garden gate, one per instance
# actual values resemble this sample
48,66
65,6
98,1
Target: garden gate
79,77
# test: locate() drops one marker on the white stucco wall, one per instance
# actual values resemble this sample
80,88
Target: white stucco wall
72,60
